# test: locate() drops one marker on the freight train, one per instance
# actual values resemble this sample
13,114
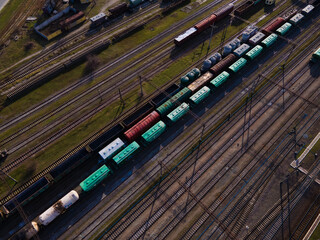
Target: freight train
152,121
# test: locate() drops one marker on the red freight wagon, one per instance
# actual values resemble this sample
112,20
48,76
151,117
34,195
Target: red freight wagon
204,24
72,19
273,26
137,130
223,64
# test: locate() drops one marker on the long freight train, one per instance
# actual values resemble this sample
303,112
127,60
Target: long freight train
194,89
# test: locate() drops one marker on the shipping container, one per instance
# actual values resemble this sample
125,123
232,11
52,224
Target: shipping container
296,18
126,153
106,137
273,26
307,10
254,52
153,133
95,178
257,38
178,113
240,51
284,29
316,56
69,164
118,10
223,64
143,125
165,108
238,65
138,115
111,149
206,23
182,38
27,195
224,11
200,82
269,40
220,79
199,96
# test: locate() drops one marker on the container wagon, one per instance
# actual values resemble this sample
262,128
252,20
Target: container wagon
244,9
240,51
254,52
199,96
284,29
178,113
95,178
126,153
269,40
238,65
111,149
153,133
296,19
307,10
219,80
257,38
98,19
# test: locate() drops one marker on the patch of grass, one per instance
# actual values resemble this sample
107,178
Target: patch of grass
7,12
316,234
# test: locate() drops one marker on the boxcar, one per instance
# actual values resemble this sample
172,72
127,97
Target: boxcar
244,9
316,56
254,52
284,29
118,10
178,113
224,11
205,23
273,26
153,133
143,125
98,19
126,153
240,51
182,38
220,79
307,10
199,96
166,107
111,149
238,65
296,18
269,40
95,178
257,38
223,64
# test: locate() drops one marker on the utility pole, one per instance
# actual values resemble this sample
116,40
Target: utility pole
212,26
140,79
281,204
288,197
283,67
121,99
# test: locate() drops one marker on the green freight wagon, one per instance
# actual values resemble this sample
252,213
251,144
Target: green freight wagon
177,113
200,95
316,56
238,65
170,104
269,40
126,153
134,3
95,178
254,52
154,132
284,29
221,78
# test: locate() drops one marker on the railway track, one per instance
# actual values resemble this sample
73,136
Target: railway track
76,99
37,62
133,217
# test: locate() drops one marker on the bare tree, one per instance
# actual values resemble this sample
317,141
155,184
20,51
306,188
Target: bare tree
93,63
